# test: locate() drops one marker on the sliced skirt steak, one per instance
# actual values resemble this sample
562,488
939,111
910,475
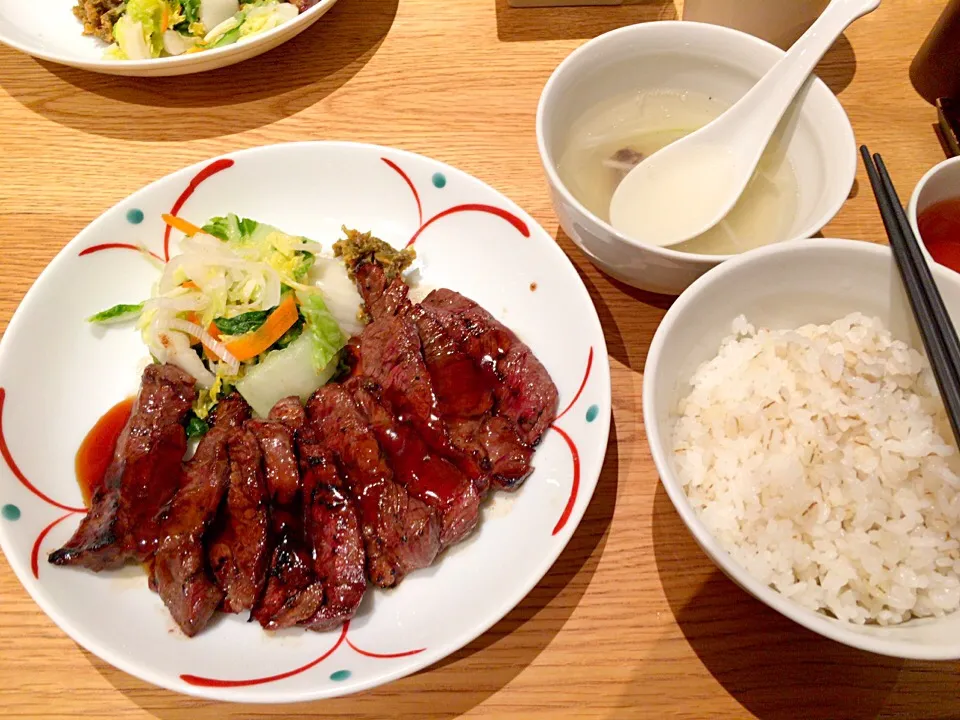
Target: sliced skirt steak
141,479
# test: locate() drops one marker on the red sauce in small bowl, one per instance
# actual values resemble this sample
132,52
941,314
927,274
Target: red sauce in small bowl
96,450
939,227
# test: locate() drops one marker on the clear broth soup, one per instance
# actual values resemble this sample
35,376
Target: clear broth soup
610,138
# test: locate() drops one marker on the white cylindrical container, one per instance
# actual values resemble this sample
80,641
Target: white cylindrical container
780,22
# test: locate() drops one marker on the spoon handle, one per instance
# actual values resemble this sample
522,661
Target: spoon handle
764,105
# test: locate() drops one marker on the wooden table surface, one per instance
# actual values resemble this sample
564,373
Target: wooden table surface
633,620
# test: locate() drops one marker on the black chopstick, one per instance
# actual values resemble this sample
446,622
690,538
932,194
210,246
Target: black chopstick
936,329
944,324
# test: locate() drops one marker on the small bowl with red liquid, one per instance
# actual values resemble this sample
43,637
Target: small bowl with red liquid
934,212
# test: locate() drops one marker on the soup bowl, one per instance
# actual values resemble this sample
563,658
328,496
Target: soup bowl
706,59
785,286
941,182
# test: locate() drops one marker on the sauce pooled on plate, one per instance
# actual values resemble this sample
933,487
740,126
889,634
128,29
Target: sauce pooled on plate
96,450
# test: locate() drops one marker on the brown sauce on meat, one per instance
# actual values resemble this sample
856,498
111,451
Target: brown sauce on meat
96,450
432,478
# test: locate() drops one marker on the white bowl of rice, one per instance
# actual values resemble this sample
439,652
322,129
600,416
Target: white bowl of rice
797,428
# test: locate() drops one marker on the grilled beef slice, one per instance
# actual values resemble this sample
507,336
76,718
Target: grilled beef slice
142,477
390,356
381,296
426,476
180,573
292,594
336,543
400,533
462,388
492,443
231,412
525,392
279,459
238,551
406,339
465,395
317,571
290,412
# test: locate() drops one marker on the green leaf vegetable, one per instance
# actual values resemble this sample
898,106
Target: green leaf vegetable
247,322
191,14
326,337
116,314
228,38
217,227
196,427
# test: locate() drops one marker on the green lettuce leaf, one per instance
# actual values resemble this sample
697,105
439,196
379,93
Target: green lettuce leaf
327,338
246,227
191,13
217,227
196,427
228,38
116,314
247,322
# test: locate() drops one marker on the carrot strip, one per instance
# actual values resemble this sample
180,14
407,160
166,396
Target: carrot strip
190,285
165,18
177,223
215,334
280,320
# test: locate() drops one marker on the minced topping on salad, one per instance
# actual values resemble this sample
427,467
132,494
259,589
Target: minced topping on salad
249,307
144,29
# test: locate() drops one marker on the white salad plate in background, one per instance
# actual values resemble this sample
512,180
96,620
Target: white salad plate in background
48,30
58,375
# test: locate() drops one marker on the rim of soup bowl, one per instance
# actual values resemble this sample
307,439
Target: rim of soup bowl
830,628
686,27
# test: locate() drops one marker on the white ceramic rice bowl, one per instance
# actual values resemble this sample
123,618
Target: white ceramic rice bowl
785,286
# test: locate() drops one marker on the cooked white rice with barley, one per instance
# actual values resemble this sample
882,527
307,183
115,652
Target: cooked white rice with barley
822,461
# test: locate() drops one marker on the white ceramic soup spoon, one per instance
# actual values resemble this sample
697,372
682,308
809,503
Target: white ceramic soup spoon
689,186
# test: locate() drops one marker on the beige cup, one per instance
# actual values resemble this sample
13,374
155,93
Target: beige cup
780,22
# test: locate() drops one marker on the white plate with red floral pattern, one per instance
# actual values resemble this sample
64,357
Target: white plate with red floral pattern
58,375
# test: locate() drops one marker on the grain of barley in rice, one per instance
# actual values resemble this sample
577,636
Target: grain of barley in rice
822,460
